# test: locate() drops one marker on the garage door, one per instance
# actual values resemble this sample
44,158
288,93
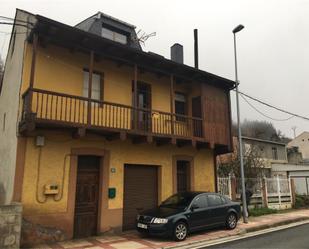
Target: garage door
140,191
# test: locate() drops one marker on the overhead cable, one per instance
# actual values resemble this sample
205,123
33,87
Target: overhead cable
274,107
263,114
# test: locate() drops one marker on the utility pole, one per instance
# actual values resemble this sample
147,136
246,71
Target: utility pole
244,202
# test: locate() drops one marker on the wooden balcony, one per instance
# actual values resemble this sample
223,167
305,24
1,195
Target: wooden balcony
43,108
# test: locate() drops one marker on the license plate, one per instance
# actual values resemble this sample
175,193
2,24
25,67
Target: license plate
140,225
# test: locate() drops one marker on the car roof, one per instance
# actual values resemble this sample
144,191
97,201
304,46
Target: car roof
196,193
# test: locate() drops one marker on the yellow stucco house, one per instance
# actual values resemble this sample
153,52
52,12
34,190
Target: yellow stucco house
93,129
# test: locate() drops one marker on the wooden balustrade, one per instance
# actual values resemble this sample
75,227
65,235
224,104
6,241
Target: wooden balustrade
62,108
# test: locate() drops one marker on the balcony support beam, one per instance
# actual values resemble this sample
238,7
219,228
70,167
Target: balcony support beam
162,141
135,95
79,132
28,107
116,136
172,96
90,87
139,139
202,145
33,61
183,142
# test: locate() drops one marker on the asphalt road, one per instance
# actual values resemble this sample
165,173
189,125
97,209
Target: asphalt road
292,238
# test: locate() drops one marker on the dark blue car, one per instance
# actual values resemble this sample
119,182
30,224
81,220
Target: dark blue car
187,212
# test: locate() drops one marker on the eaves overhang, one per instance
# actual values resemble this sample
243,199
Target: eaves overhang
51,31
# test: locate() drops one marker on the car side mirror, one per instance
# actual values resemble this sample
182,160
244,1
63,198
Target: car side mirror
194,206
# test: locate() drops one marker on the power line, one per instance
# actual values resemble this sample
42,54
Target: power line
263,114
16,24
274,107
9,33
16,20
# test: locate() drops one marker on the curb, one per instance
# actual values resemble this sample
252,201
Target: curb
192,243
277,224
241,231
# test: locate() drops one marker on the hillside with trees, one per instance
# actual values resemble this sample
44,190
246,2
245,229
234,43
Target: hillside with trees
260,129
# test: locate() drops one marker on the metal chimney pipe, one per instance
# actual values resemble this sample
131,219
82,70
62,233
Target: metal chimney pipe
195,48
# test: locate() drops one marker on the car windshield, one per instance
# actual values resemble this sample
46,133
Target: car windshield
180,200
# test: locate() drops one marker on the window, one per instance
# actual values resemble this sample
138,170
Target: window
200,202
97,86
114,36
214,200
275,153
178,200
224,199
180,105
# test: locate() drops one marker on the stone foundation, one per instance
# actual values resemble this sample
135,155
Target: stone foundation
34,234
10,225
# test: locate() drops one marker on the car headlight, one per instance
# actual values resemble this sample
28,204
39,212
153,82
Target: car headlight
159,221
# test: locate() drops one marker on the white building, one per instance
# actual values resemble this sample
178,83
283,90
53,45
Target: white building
302,142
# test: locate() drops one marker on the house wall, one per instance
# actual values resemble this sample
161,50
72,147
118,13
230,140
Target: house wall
46,165
302,142
9,109
265,149
216,113
58,69
261,149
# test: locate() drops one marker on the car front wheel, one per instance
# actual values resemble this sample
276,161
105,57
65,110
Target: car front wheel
231,221
180,231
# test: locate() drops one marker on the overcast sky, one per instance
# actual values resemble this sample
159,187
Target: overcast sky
273,49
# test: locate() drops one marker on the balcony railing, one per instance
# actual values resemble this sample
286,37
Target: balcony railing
58,108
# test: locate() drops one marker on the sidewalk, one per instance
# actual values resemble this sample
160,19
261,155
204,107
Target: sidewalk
133,240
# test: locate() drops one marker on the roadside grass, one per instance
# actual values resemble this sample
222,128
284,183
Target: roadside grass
302,201
255,212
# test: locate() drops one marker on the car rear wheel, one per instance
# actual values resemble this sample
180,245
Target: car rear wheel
231,221
180,231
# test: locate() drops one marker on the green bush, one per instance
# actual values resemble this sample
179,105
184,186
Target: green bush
261,211
301,201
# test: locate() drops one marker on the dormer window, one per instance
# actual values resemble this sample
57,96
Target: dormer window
114,36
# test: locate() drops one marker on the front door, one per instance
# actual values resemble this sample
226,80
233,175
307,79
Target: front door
87,196
183,176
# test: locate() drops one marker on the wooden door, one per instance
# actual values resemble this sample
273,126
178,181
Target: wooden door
183,176
144,105
87,196
140,192
197,113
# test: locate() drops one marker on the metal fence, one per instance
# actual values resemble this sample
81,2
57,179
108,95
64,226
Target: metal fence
301,185
224,186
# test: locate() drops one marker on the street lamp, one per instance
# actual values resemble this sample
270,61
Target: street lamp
243,187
